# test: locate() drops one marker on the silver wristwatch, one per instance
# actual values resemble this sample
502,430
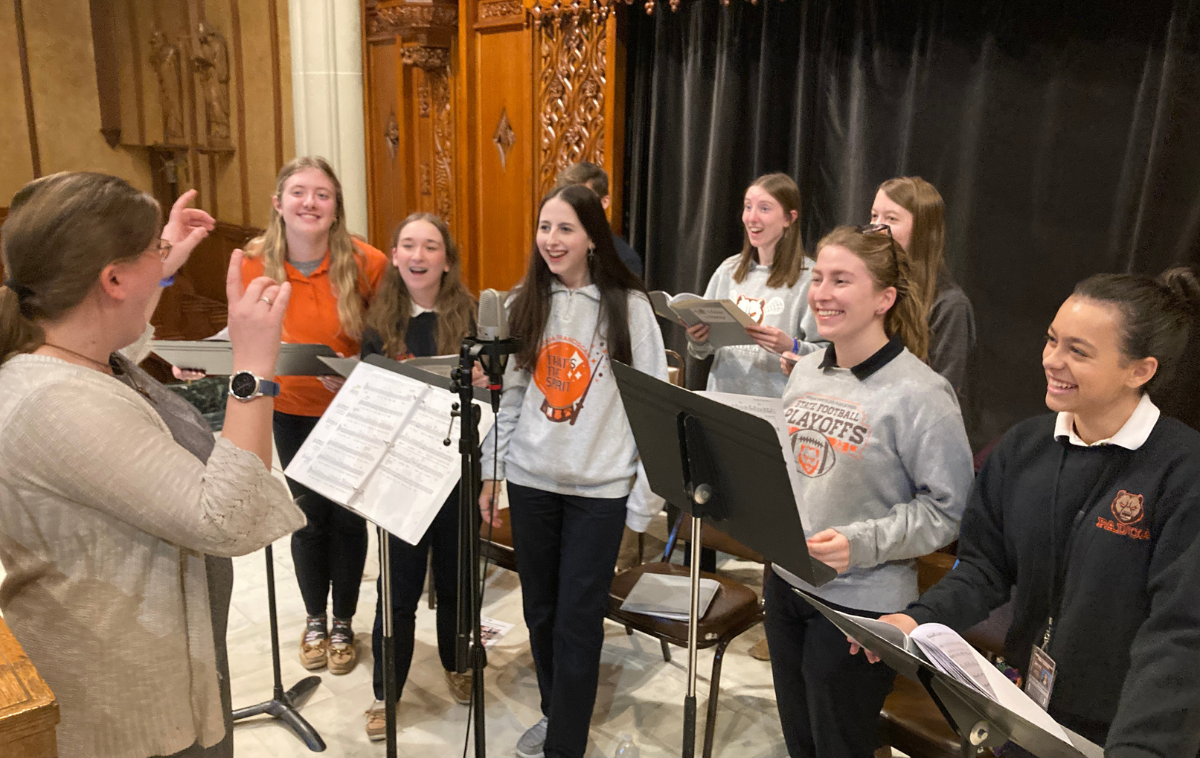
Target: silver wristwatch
245,386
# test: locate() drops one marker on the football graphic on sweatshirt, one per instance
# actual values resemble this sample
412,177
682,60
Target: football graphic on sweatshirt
822,427
564,374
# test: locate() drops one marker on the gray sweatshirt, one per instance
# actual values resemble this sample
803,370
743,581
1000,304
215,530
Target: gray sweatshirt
749,369
883,458
562,428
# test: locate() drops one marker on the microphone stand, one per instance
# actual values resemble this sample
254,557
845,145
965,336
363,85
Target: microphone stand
469,652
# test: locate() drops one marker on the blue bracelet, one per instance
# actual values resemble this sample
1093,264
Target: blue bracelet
795,346
167,282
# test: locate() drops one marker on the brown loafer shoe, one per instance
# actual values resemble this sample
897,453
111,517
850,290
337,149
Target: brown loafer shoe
377,723
760,651
460,686
342,657
313,655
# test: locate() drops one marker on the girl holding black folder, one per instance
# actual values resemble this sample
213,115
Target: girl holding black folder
884,469
422,309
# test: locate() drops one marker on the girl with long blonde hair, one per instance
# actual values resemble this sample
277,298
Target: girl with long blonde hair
333,277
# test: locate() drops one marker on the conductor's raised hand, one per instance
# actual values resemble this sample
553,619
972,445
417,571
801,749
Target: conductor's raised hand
489,498
186,227
255,319
698,333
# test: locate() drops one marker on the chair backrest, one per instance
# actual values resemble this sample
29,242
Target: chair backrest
675,373
712,538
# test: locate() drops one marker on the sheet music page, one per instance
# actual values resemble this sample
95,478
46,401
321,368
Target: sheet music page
418,472
769,409
352,437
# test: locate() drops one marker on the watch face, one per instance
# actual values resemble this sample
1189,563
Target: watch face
243,384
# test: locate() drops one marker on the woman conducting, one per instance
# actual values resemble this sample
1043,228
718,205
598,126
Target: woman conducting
105,517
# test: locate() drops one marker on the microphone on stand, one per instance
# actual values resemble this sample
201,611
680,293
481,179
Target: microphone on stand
493,341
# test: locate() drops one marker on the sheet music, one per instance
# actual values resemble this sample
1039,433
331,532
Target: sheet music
378,450
769,409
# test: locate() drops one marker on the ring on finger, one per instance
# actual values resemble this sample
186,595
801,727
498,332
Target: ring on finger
266,299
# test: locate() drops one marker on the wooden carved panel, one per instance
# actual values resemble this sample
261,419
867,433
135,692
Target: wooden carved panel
570,103
443,142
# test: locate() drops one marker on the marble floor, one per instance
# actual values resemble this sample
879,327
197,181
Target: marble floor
639,693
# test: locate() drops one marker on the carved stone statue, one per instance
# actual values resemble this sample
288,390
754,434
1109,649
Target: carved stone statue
168,66
212,64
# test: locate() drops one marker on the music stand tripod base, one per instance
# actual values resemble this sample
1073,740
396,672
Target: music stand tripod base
283,705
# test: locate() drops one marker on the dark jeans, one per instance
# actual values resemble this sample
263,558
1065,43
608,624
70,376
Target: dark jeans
408,564
566,550
828,700
332,548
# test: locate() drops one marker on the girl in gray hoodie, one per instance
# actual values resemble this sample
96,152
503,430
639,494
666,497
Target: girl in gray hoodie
768,280
563,442
885,469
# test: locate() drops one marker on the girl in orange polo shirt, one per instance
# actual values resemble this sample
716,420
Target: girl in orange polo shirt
333,276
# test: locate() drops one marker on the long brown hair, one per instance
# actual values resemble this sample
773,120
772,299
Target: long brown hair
61,231
789,260
927,246
349,282
531,304
889,266
392,307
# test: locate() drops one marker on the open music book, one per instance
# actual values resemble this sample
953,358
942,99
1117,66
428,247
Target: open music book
726,322
379,450
948,652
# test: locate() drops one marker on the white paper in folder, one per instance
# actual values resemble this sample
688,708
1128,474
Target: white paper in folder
378,450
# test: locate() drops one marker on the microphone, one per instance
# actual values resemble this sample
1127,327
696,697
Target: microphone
493,341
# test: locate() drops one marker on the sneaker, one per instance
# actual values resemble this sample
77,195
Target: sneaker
377,721
342,655
532,744
761,651
314,644
460,686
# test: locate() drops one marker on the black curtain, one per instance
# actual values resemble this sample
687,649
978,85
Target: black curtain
1064,136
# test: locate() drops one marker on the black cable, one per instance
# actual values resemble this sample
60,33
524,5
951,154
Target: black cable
486,559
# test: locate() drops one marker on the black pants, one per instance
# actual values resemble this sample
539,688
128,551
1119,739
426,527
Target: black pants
332,548
566,550
408,564
828,700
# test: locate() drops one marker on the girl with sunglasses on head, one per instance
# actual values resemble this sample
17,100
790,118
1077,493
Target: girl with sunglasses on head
563,442
884,469
769,280
1089,516
333,276
422,309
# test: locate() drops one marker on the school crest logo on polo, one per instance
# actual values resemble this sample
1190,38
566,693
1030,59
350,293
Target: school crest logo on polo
822,428
564,374
1128,508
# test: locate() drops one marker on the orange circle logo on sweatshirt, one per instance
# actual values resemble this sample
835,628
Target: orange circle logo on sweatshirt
563,374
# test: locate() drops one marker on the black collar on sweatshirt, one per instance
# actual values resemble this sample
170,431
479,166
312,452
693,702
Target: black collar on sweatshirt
882,357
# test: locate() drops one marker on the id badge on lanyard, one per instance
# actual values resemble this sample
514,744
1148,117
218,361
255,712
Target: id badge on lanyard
1039,679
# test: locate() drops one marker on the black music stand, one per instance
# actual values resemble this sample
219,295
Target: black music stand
283,705
723,466
979,721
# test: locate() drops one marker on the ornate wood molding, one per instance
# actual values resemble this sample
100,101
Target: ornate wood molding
499,14
554,9
426,58
425,23
570,104
443,143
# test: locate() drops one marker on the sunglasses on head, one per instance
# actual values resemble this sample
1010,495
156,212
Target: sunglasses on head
882,229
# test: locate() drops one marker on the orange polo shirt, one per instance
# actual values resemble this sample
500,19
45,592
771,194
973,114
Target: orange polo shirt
312,318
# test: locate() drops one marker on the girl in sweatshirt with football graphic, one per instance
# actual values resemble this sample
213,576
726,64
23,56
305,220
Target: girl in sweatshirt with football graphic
885,468
563,442
768,280
1090,517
